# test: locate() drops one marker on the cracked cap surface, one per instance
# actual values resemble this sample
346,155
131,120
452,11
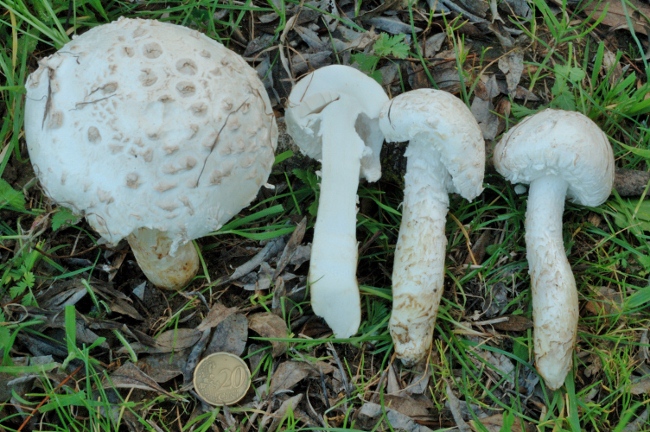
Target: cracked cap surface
140,123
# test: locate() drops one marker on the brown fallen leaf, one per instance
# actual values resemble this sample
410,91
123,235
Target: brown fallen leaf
178,339
163,367
269,325
290,373
514,323
370,413
291,246
230,336
605,302
289,404
407,405
615,15
494,423
218,312
130,376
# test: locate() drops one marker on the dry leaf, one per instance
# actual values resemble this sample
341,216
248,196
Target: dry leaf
229,336
407,405
616,18
129,376
370,412
287,375
494,423
290,373
289,404
176,340
514,323
289,250
269,325
482,107
163,367
217,314
512,65
606,301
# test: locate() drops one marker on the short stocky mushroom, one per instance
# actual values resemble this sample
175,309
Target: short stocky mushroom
446,153
155,133
332,116
560,154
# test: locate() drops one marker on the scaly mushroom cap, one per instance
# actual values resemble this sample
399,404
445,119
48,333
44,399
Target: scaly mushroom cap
443,121
328,84
143,124
563,143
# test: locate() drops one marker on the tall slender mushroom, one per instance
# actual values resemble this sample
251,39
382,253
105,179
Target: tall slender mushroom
154,132
560,154
446,153
332,116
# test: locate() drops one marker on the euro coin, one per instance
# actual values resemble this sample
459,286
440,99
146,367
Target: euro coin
221,379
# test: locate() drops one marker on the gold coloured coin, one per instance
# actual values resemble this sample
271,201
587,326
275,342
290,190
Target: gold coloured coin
221,379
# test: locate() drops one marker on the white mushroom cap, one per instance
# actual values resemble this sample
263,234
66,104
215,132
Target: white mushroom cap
143,124
445,123
328,84
563,143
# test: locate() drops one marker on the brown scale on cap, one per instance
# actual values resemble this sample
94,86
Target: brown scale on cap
145,99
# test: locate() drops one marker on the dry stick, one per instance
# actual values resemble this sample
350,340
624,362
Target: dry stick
631,183
46,398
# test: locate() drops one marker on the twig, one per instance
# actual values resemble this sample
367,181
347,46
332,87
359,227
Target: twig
47,398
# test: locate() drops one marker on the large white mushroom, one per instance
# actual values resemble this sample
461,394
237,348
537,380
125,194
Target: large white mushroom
560,154
155,133
446,154
332,116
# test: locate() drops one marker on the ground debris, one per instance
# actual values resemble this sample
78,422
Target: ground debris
370,412
290,373
269,325
230,336
130,376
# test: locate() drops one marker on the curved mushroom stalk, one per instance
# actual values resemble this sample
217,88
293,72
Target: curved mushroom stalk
560,154
554,294
446,154
152,252
418,271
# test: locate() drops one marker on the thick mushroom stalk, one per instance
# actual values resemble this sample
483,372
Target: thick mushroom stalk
446,153
555,298
152,248
332,116
419,267
560,154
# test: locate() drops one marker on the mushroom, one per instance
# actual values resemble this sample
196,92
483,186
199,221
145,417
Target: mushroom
155,133
559,153
332,116
446,153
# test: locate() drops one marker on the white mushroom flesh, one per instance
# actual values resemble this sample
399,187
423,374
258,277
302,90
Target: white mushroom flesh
332,116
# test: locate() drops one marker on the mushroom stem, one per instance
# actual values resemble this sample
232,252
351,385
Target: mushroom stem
333,264
419,268
152,252
555,298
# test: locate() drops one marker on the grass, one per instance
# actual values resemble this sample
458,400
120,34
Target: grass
569,62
